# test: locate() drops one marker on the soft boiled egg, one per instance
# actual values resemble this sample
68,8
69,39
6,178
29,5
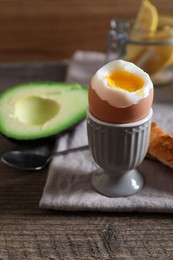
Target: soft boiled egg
120,92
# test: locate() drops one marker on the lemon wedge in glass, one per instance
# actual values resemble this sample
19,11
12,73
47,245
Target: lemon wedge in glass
145,23
159,55
147,17
150,45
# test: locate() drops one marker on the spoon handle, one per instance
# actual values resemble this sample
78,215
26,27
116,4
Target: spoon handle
70,150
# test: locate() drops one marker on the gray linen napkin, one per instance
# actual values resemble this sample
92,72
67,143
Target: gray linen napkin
68,185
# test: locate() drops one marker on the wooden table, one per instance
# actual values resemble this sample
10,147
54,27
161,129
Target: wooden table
28,232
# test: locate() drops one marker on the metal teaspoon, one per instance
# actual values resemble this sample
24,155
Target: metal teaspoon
28,160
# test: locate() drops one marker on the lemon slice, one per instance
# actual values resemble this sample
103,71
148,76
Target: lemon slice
147,18
166,22
149,27
158,56
155,58
147,21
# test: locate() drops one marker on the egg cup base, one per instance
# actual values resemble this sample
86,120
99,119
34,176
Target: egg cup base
120,185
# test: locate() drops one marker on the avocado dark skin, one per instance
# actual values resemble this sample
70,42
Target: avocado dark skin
37,143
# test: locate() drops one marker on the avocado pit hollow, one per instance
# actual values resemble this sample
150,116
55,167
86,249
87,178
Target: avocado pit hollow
33,110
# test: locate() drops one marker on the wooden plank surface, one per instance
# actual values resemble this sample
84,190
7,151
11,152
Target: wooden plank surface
54,29
28,232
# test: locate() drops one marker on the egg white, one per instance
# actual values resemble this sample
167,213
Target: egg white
118,97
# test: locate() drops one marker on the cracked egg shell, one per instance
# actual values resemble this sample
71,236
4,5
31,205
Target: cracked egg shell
120,93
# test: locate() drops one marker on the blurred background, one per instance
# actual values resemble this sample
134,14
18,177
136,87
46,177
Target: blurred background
44,30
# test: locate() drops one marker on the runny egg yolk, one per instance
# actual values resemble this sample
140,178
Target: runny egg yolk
125,80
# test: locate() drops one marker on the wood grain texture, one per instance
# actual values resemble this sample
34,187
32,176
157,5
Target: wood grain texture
28,232
53,29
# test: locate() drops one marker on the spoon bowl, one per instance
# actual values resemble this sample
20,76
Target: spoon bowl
31,161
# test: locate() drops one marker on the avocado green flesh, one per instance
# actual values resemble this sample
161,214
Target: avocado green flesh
38,110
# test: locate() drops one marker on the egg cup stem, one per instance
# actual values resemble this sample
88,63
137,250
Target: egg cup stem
120,185
118,149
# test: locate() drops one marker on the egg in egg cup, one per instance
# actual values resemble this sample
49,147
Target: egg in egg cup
118,125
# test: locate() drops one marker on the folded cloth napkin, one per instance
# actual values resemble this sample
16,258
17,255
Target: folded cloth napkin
68,185
83,65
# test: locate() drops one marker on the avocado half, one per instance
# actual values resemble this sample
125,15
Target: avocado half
42,109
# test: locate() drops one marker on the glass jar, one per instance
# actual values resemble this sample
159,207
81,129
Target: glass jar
151,51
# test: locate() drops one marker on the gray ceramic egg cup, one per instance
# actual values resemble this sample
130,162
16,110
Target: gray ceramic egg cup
118,149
